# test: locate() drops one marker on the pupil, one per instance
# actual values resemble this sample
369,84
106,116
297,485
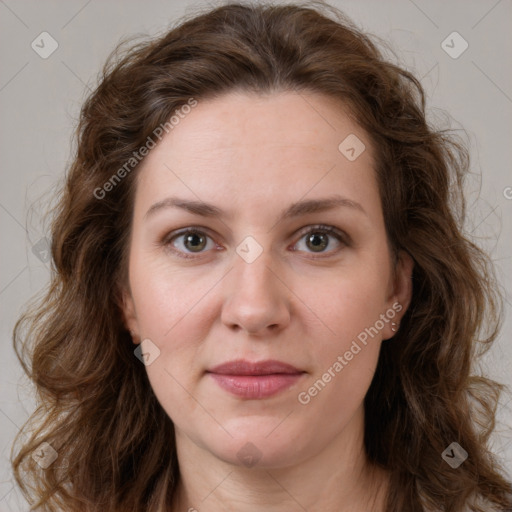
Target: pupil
318,241
194,237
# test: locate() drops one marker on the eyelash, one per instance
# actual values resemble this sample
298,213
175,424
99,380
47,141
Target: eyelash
318,228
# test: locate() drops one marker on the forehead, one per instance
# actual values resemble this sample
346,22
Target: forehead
265,147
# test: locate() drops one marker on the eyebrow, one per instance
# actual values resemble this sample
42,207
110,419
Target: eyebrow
296,209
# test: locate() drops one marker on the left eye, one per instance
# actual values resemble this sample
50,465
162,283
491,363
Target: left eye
316,238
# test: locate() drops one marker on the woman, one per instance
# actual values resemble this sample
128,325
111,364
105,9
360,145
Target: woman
263,297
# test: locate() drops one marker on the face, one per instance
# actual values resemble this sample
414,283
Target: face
270,273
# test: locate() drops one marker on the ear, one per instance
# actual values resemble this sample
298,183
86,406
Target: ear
400,294
127,307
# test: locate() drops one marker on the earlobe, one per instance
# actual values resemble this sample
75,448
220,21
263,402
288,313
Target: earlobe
401,295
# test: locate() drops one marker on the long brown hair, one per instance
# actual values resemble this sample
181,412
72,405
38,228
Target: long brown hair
113,440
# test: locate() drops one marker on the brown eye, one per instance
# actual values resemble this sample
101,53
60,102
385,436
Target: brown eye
319,238
317,241
195,242
189,242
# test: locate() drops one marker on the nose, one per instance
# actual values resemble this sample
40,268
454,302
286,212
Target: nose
257,299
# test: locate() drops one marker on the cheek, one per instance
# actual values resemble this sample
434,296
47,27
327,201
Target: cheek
169,314
165,296
175,393
350,305
350,301
345,362
167,305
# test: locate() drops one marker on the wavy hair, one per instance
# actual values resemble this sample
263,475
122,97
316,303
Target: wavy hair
96,407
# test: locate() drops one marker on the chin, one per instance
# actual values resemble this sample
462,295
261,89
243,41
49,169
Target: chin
265,442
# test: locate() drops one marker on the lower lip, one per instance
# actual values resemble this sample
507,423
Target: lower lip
256,386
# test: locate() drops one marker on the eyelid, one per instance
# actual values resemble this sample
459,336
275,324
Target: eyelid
339,234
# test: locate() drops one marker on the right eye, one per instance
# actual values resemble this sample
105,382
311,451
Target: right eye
188,241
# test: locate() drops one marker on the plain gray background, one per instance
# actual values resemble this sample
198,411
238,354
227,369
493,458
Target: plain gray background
40,100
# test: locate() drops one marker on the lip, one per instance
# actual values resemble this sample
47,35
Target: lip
255,380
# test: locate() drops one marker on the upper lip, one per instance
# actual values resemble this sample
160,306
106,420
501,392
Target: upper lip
244,367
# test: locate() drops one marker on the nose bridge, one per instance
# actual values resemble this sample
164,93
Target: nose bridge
255,299
252,270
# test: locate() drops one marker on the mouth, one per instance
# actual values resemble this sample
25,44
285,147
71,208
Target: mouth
255,380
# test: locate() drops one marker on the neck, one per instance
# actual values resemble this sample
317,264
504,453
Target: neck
337,479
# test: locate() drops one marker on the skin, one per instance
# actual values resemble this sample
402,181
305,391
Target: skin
253,156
